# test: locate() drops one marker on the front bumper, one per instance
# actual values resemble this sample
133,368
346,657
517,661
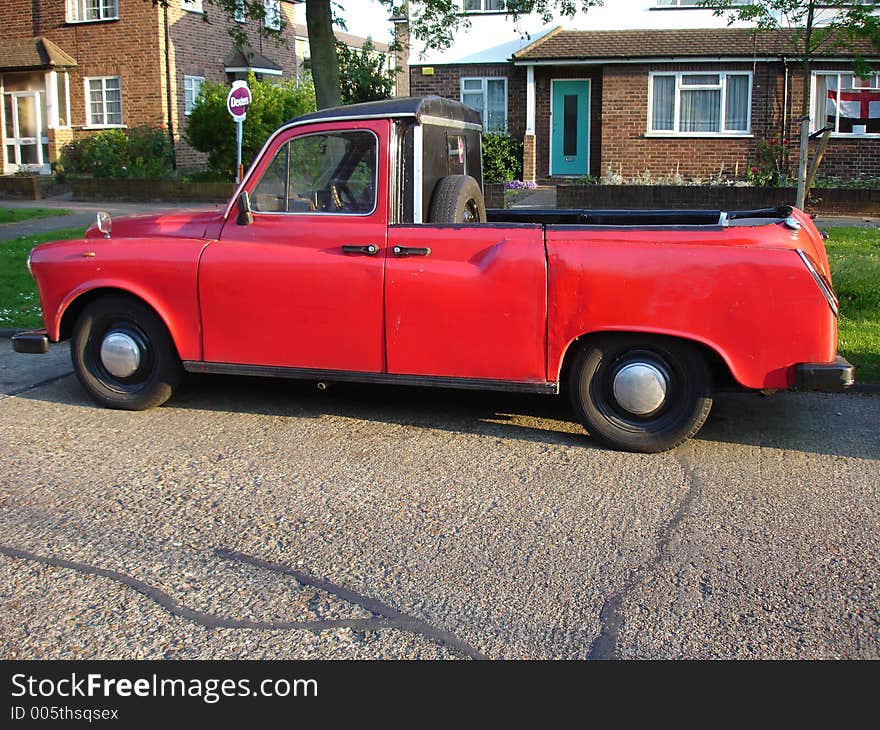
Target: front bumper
824,376
35,342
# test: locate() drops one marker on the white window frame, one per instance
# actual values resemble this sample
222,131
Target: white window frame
484,112
272,21
192,6
103,79
187,108
651,132
814,123
77,8
239,16
483,8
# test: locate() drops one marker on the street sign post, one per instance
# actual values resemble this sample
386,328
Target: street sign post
237,102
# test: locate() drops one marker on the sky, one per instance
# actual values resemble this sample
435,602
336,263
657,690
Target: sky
367,18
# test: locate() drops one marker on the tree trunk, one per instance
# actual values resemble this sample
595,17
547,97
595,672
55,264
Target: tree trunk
322,47
802,191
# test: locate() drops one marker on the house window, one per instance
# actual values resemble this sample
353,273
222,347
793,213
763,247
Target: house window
482,6
699,103
846,103
103,102
273,14
489,98
192,6
191,87
239,15
85,11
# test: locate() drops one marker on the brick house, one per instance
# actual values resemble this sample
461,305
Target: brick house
68,68
650,86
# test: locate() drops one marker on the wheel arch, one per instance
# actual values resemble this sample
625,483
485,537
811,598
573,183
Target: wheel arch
719,365
79,300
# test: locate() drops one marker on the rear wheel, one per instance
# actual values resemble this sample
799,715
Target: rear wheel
123,355
457,199
640,393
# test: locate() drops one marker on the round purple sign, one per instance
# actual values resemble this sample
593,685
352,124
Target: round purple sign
238,100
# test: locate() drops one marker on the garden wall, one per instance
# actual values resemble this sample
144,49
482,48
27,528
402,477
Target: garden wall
151,190
827,201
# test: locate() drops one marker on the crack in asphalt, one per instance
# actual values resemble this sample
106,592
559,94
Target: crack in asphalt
611,616
389,618
392,615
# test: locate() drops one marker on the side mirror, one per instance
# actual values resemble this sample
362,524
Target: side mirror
245,215
104,223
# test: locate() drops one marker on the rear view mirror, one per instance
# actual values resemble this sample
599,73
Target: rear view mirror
245,216
104,223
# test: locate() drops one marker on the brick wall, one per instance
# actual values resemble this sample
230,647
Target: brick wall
446,81
127,48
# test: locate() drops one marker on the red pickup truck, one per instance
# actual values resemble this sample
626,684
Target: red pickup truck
358,248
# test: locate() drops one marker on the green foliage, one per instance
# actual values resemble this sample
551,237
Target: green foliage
16,215
363,75
769,160
211,130
140,152
854,255
502,158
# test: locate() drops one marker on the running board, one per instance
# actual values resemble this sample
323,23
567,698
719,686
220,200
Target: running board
349,376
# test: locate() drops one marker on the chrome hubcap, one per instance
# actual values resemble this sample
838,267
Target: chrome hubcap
640,387
120,355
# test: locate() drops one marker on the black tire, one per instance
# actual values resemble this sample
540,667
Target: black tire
605,361
457,199
159,370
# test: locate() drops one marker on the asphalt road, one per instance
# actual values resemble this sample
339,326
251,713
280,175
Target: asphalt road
265,519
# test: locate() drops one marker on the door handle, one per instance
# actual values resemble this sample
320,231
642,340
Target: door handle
410,251
369,250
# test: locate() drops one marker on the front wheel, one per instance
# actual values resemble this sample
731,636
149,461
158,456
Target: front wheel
123,355
640,393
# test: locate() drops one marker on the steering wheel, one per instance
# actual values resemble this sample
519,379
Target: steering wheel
342,197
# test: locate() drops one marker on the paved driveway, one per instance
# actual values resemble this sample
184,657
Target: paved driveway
264,519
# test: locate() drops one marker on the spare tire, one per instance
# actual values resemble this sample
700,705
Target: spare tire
457,199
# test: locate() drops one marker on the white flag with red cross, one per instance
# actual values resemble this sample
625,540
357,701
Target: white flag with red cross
854,103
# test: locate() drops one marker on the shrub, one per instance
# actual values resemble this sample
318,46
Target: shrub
211,130
141,152
502,158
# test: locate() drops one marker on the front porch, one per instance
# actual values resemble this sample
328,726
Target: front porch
35,113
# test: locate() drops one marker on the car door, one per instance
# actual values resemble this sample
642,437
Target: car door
467,301
301,286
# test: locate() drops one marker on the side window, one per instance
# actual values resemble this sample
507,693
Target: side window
320,173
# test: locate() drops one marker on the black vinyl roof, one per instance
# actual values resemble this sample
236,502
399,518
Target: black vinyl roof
404,106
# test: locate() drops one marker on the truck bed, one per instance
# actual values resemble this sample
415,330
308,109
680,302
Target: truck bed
640,218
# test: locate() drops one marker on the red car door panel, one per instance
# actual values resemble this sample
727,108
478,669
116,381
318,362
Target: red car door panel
474,307
282,291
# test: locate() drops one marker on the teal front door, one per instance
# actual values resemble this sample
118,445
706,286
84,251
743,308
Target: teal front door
570,128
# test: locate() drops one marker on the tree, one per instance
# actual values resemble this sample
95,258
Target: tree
812,25
363,74
211,129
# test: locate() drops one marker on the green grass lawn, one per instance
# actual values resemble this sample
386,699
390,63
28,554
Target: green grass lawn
854,254
19,303
14,215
